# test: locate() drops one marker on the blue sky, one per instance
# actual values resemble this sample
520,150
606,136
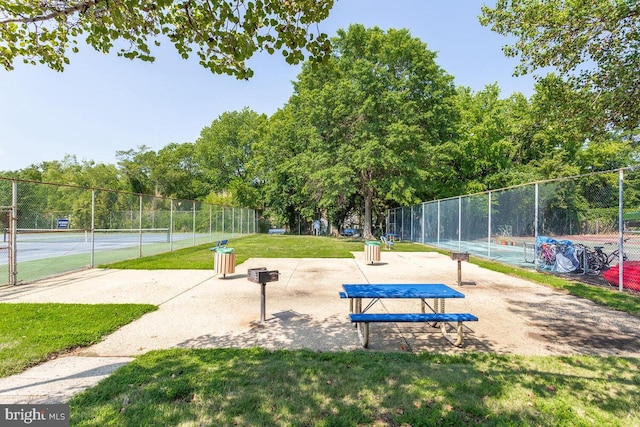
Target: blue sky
102,103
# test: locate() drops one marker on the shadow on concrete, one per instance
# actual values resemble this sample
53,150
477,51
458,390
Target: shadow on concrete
292,330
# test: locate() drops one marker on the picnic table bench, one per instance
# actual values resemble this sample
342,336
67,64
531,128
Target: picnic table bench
436,315
220,244
387,242
392,236
276,231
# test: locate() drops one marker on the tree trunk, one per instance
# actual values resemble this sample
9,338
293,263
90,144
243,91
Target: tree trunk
368,204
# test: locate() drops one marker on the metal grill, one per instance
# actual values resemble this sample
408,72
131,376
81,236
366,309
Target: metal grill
262,275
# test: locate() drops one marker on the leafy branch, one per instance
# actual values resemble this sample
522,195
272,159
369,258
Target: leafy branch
223,33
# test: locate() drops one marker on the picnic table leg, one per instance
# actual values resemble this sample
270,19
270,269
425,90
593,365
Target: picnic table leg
363,333
459,332
362,327
356,307
437,302
438,307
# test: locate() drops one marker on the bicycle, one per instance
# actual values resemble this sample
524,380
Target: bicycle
591,261
602,261
615,255
597,260
546,256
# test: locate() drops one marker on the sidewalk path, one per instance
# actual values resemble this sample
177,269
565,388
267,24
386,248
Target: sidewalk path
200,310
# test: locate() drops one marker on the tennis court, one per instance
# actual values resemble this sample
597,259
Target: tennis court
513,254
39,244
44,253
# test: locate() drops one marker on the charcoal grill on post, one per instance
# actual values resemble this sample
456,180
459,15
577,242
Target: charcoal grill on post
460,256
263,276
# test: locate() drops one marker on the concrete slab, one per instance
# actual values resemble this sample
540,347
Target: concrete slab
198,309
56,381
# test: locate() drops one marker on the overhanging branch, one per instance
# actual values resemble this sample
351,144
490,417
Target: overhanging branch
81,7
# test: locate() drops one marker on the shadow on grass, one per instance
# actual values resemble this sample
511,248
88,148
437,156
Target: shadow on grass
302,387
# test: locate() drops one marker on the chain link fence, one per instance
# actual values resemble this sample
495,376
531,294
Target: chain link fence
574,226
51,229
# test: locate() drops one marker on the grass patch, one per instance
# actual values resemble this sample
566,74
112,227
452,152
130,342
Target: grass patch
258,246
33,333
251,387
611,298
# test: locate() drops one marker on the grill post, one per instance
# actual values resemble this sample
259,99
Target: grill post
263,301
460,256
263,276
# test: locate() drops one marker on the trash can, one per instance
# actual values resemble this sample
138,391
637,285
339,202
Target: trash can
371,251
224,261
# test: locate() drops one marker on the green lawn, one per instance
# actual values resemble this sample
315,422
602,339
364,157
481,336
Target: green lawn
257,387
32,333
259,246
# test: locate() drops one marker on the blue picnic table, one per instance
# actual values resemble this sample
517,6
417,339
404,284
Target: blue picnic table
392,236
436,315
410,290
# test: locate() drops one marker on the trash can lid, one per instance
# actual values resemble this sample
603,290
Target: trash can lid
372,243
225,250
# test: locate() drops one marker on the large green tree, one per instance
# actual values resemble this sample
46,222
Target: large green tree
557,132
596,43
136,166
281,162
379,106
484,148
224,153
562,134
224,34
177,173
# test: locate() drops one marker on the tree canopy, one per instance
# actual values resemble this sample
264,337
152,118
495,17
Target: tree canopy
376,110
223,34
224,152
595,43
377,125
